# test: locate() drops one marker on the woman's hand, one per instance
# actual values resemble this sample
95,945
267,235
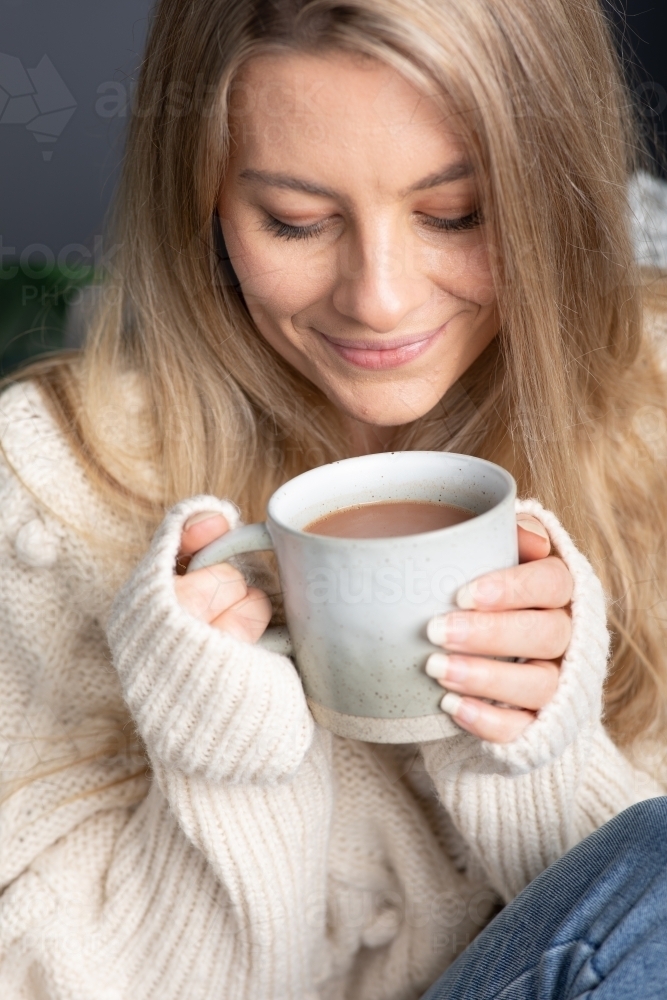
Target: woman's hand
519,612
219,594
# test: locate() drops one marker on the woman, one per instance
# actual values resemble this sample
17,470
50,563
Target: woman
342,228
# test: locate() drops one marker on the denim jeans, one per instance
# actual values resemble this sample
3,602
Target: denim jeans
593,926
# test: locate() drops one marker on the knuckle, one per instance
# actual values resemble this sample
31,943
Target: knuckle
496,726
523,585
222,572
546,680
550,578
512,726
549,631
561,582
544,583
562,631
229,591
258,604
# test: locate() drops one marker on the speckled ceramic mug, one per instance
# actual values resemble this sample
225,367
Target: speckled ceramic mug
357,609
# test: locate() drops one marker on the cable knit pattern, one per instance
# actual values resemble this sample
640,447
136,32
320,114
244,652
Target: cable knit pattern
261,857
200,704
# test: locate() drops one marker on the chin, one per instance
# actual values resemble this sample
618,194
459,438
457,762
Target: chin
386,412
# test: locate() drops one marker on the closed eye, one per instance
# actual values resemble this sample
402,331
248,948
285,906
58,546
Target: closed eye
461,224
287,232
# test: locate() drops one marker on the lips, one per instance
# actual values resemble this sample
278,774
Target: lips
390,353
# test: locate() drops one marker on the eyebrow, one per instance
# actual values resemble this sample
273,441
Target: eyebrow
285,181
454,172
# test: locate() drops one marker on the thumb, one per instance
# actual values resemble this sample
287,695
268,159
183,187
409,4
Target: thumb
199,530
533,538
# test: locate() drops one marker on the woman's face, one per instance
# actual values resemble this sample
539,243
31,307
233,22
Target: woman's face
349,213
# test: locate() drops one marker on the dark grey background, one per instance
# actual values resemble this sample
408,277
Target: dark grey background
642,36
95,46
92,44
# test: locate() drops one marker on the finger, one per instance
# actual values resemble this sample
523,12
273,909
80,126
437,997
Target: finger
248,619
526,685
532,635
533,538
546,583
498,725
209,592
201,529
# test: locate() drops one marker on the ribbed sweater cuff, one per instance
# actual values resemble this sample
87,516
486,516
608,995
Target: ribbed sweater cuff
204,702
577,705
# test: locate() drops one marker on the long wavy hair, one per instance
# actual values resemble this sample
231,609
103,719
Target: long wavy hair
570,396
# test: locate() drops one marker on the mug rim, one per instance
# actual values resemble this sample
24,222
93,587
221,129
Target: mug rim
338,540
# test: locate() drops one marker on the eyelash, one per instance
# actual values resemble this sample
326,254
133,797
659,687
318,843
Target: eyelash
286,232
465,222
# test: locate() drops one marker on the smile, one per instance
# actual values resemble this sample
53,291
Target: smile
391,354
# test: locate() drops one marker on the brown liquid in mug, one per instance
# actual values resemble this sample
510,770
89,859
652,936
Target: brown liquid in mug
388,519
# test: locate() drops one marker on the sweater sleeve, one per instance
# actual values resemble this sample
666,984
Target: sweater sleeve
218,858
205,703
236,754
521,805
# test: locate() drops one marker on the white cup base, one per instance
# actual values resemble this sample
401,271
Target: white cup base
355,727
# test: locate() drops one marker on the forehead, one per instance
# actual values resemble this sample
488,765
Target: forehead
337,107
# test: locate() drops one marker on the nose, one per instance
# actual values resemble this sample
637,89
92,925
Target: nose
377,286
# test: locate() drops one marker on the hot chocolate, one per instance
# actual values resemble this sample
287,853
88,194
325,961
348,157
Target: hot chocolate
388,519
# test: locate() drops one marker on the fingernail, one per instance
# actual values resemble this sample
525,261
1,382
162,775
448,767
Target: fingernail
436,666
451,703
535,527
203,515
465,597
445,629
463,711
436,630
447,668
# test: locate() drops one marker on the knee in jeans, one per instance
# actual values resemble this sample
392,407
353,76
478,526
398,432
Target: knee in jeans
647,823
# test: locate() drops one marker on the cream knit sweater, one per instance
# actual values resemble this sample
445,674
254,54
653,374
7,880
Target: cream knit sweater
261,858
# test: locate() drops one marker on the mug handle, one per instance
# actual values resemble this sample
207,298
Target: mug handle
251,538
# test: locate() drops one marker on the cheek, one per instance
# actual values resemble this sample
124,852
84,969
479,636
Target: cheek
465,272
279,279
258,270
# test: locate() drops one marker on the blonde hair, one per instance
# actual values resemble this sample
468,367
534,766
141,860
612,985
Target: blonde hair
562,396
